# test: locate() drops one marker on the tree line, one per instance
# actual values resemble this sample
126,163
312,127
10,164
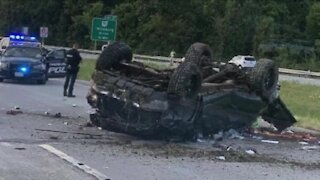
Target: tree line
284,30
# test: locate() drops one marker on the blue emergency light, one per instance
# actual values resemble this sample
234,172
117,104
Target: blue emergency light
23,69
21,37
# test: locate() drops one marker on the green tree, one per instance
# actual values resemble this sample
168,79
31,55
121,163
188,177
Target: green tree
313,21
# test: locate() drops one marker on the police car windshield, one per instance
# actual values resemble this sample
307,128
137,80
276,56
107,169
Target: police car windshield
29,52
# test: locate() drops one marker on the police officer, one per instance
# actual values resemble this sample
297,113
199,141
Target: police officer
72,69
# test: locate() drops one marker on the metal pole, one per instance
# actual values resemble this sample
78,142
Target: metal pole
95,45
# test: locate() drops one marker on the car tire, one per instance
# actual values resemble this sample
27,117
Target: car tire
185,81
198,53
113,55
264,79
43,80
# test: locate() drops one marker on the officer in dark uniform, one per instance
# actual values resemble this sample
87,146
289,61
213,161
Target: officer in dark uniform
72,69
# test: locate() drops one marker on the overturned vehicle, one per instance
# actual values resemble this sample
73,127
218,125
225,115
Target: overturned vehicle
199,96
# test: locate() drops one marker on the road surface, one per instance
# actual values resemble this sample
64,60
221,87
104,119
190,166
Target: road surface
36,143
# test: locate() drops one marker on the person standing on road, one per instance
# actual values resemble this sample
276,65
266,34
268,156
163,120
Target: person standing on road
72,69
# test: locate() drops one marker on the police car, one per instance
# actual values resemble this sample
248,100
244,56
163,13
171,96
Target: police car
55,61
23,59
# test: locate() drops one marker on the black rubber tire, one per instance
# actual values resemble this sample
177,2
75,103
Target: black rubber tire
198,53
114,54
185,81
264,78
43,80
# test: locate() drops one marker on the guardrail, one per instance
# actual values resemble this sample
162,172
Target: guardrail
162,59
299,73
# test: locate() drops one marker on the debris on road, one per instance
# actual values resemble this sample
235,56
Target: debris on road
219,136
68,132
256,137
46,113
49,124
222,158
20,148
66,123
14,112
300,136
288,131
199,140
310,148
269,141
57,115
88,124
233,134
74,105
303,143
229,148
16,107
251,151
54,137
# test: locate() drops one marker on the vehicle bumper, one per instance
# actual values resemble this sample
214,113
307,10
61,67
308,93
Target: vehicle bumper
32,75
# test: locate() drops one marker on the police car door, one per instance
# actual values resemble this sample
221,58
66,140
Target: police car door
56,63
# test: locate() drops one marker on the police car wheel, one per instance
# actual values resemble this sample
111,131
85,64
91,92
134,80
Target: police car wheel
43,80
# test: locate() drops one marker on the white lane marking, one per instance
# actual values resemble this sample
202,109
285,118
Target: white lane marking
6,144
75,162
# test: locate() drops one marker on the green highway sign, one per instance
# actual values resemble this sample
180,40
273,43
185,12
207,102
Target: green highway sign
104,29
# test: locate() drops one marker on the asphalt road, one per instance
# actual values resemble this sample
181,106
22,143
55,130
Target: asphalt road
36,144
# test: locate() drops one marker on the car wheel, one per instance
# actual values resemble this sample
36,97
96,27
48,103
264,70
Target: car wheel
185,81
183,101
264,79
43,80
113,55
198,53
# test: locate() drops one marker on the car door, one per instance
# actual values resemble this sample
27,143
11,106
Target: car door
56,63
